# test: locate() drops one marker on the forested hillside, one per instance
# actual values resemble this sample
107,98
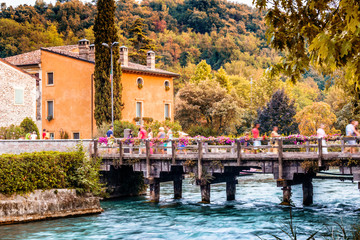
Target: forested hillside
230,38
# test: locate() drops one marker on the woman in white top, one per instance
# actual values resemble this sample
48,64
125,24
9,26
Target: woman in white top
321,134
33,136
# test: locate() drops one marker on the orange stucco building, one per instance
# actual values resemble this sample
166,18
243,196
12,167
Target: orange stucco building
67,90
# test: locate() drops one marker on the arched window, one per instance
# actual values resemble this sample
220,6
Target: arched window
140,82
167,85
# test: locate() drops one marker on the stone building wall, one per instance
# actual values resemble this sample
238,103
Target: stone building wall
12,78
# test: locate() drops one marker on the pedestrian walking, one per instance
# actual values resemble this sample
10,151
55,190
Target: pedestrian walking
33,136
322,135
256,134
274,135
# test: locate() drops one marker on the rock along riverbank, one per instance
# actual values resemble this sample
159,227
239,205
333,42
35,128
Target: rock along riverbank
46,204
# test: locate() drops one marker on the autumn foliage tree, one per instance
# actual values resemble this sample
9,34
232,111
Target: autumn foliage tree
310,118
106,32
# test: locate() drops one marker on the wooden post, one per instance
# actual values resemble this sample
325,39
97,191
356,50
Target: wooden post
177,188
280,156
155,191
238,148
342,146
232,148
205,192
307,146
320,152
121,152
230,190
148,165
200,156
308,192
96,149
359,185
173,152
286,195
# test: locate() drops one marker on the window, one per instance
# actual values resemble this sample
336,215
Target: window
140,82
19,96
50,78
167,110
50,109
167,83
138,112
52,135
76,135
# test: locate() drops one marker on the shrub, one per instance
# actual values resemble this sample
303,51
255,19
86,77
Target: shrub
197,130
174,126
28,126
119,127
27,172
11,132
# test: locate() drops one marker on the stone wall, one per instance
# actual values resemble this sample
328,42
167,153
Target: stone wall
26,146
46,204
12,78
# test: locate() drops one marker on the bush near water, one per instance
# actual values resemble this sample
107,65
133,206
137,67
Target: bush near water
27,172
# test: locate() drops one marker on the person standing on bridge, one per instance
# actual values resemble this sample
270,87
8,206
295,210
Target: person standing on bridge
274,136
256,133
142,136
161,135
321,134
351,132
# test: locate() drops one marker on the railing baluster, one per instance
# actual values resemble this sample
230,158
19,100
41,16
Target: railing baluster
121,152
280,156
320,157
148,165
200,156
173,151
342,146
238,148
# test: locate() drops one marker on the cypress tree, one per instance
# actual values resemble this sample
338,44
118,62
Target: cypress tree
279,111
105,31
139,41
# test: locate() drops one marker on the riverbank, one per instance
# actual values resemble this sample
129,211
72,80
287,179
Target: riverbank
46,204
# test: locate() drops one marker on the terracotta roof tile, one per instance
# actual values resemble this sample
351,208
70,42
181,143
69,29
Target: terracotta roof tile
73,51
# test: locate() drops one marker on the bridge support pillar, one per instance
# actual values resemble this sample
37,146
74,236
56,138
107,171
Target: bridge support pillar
286,195
177,189
155,191
307,187
205,192
230,190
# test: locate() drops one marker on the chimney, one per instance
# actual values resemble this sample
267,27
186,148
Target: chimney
92,52
83,45
124,60
150,60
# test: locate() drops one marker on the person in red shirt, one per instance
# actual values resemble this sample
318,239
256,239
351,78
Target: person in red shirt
142,135
256,133
44,134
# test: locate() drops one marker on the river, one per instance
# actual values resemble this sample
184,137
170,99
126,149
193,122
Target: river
256,212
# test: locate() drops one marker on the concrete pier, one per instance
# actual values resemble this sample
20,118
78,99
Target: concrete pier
177,189
286,196
231,190
308,192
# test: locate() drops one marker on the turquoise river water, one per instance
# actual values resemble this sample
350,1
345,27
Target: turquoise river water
255,213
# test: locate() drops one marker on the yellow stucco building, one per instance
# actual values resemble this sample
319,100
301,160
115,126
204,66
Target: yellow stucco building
67,90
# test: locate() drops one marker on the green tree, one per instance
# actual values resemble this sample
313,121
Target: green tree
105,31
28,126
279,111
202,73
207,103
322,33
223,79
140,42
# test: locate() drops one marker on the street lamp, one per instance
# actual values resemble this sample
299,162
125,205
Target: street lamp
114,44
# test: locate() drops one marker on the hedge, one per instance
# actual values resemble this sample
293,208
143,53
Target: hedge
27,172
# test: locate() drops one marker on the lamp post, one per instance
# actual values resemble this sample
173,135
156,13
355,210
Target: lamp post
114,44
